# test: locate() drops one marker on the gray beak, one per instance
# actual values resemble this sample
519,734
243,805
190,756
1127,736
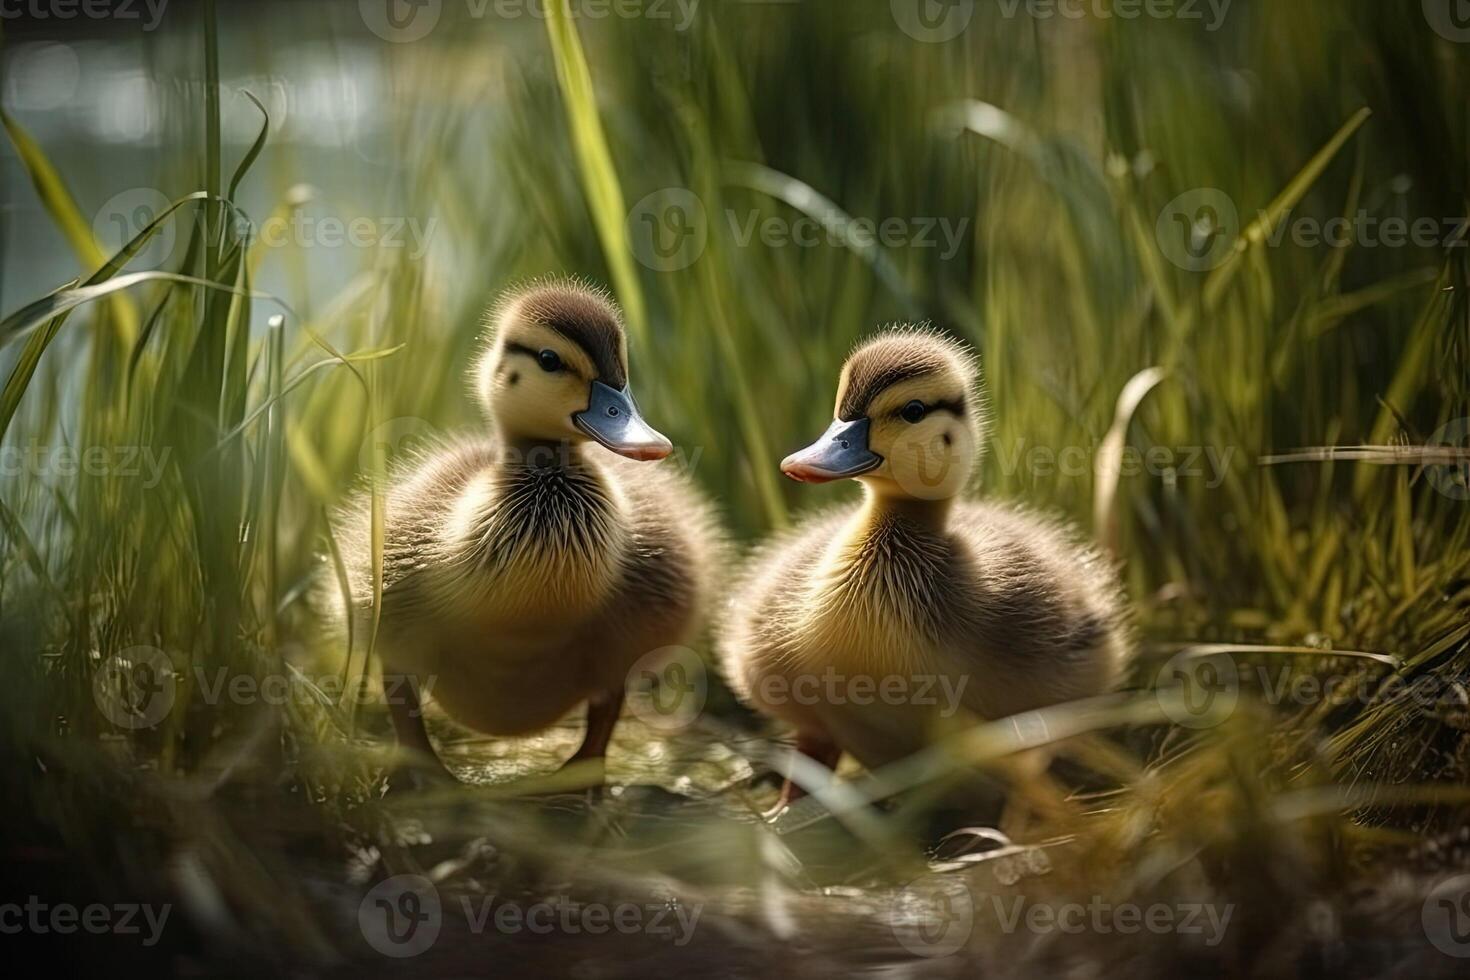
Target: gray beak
841,452
612,418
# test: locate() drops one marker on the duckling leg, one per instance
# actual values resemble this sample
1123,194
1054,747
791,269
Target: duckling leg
602,717
1033,796
407,712
817,747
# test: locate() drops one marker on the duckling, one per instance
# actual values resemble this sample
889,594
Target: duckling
943,599
526,570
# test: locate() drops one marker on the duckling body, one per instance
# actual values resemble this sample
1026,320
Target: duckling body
1001,609
524,590
526,571
915,610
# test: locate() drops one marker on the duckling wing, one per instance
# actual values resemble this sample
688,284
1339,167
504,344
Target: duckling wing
1040,615
671,569
419,493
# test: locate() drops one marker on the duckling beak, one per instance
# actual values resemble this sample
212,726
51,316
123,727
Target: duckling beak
841,452
613,419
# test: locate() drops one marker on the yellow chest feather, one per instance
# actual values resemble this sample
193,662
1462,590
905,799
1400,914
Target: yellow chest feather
871,601
535,552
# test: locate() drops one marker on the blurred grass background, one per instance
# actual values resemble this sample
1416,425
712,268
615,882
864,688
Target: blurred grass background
1054,145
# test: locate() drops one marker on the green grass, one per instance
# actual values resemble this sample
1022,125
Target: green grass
1058,145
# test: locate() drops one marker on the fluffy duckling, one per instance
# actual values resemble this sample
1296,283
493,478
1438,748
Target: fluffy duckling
525,571
858,626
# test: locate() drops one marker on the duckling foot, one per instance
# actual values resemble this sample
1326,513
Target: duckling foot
817,747
591,757
770,816
425,770
602,717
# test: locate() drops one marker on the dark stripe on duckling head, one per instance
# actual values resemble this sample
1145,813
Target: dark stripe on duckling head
585,318
886,361
954,407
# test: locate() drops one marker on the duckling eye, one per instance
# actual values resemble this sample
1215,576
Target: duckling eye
914,411
549,360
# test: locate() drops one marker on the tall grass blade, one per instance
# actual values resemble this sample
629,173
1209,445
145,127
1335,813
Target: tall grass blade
1261,228
1109,464
595,163
32,315
62,208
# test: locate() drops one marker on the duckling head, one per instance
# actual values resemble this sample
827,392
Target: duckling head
555,369
908,421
